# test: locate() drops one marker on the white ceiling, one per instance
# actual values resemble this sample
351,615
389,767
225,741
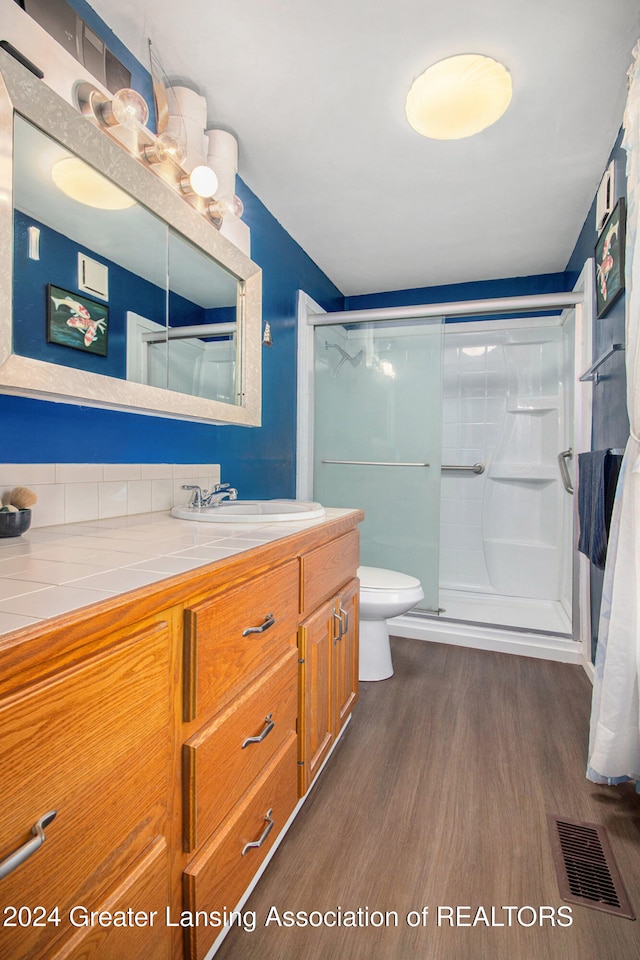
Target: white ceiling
314,90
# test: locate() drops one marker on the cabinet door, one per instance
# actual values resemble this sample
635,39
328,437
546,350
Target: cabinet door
94,743
346,655
141,900
317,640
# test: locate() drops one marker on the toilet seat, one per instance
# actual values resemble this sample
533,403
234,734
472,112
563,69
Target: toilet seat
376,578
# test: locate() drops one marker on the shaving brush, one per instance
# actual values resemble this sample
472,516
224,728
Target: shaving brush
22,498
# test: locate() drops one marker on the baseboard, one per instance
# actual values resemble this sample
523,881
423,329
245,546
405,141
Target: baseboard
479,637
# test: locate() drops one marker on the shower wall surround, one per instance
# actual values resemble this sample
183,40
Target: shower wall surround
504,405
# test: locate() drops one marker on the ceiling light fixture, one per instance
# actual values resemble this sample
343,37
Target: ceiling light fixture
458,97
81,182
201,181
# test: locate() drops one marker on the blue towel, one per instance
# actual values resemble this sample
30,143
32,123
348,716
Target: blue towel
597,478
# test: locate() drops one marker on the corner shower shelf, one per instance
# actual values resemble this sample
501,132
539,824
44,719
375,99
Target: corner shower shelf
532,405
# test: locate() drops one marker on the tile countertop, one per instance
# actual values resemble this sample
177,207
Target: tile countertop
53,570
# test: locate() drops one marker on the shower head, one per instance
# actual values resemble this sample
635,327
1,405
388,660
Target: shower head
344,356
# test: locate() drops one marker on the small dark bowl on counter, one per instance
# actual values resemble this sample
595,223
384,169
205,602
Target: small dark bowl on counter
13,524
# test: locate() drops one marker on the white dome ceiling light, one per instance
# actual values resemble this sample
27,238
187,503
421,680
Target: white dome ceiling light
82,183
458,97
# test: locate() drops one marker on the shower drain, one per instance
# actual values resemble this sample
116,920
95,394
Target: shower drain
586,867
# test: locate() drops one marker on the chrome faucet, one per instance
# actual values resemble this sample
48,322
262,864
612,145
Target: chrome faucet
210,498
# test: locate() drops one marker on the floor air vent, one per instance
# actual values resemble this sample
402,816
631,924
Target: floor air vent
586,868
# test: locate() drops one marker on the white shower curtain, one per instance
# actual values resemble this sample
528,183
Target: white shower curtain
614,748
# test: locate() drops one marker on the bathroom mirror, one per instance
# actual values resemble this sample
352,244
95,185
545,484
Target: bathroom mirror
137,304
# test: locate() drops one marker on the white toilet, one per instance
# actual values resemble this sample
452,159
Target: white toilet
383,594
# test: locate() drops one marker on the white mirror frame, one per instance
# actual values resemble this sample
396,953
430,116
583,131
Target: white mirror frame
22,92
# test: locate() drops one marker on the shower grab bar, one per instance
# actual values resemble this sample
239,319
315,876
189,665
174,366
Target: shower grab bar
564,469
377,463
591,373
474,468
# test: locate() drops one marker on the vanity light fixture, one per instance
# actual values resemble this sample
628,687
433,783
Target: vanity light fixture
202,181
164,147
126,109
226,208
458,97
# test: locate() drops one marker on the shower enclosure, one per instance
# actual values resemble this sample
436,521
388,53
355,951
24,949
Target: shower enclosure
377,439
456,439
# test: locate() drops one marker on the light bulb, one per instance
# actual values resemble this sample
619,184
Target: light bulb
127,109
164,147
226,208
201,181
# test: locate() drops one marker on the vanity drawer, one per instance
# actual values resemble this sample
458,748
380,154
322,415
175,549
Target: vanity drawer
218,769
325,569
218,876
231,639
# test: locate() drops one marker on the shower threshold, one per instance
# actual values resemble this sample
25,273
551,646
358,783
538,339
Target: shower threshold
492,610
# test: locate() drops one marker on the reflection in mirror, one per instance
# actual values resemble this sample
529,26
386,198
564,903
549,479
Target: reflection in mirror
203,323
102,285
80,261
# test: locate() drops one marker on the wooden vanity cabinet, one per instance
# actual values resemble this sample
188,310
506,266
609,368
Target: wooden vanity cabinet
173,730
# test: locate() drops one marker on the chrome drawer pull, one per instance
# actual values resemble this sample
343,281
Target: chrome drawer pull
344,613
265,833
268,622
24,852
270,724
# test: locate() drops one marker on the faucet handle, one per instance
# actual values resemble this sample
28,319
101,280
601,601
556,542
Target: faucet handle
220,486
196,500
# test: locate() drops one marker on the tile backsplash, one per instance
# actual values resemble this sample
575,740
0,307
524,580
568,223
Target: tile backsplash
71,492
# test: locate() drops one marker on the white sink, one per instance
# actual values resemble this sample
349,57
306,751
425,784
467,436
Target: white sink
253,511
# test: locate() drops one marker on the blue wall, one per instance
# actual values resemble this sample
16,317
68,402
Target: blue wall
452,292
610,420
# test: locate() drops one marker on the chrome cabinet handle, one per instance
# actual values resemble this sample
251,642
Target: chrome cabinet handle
27,849
564,469
338,619
265,833
344,614
269,725
267,622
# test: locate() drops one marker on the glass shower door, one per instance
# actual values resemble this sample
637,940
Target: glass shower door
377,439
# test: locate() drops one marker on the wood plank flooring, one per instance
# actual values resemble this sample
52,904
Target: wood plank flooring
437,796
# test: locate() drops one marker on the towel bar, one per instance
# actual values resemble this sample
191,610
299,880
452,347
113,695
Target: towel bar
591,373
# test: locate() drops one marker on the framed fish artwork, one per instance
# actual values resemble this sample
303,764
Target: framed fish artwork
609,259
77,322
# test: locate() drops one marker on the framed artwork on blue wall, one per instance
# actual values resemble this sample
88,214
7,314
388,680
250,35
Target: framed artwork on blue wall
609,259
76,322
